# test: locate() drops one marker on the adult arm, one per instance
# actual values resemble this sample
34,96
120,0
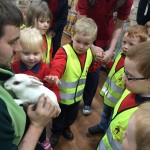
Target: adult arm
115,36
61,19
39,118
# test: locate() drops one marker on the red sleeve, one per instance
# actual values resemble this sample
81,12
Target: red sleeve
94,66
124,11
52,87
110,64
58,64
82,7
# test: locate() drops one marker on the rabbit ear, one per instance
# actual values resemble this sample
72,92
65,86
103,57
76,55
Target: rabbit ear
35,81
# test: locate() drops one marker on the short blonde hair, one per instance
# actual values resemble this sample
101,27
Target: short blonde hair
86,26
142,126
31,39
137,31
140,53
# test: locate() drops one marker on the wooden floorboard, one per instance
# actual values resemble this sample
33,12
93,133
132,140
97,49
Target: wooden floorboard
82,140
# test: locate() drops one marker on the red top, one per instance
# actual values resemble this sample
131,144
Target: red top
40,70
58,64
102,14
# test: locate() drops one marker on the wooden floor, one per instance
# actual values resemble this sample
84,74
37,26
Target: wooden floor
83,141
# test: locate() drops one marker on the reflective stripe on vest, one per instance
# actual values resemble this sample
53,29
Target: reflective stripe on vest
73,84
114,84
49,42
74,78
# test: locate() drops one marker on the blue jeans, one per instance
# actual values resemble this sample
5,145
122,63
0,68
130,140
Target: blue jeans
106,116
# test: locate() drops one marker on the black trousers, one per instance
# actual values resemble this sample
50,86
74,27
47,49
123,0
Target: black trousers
66,118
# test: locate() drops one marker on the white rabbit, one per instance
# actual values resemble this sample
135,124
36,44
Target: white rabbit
28,89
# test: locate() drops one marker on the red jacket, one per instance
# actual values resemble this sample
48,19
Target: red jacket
40,70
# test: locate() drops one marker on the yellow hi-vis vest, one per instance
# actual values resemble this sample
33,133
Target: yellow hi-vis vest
114,85
113,138
73,80
46,58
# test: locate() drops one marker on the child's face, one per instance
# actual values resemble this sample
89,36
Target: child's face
135,86
128,42
29,58
148,30
42,24
129,142
81,42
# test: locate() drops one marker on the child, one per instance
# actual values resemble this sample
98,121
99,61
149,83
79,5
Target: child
39,16
137,135
114,84
70,65
137,74
147,25
31,63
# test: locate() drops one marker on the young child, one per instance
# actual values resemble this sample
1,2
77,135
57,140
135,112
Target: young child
71,64
114,84
147,25
137,134
39,16
137,74
31,63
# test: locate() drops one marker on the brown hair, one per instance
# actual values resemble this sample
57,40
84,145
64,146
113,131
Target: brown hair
9,15
137,31
142,126
140,53
36,10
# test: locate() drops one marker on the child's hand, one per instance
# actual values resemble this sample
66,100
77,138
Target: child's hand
52,79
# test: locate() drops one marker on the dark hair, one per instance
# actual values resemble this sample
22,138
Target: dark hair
91,2
9,15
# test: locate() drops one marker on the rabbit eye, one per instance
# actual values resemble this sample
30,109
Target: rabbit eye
16,83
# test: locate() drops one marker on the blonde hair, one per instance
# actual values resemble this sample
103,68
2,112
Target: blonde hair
142,126
87,26
31,39
36,10
140,53
137,31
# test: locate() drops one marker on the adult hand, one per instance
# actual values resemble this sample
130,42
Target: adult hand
43,113
97,53
107,56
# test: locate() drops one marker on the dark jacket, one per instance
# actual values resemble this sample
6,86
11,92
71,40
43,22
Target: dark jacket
143,13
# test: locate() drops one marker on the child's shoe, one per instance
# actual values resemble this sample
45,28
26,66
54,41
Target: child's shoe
87,110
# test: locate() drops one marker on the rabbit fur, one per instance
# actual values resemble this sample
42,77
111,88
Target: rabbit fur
28,89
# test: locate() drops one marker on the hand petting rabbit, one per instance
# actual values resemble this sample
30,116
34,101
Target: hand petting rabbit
28,89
